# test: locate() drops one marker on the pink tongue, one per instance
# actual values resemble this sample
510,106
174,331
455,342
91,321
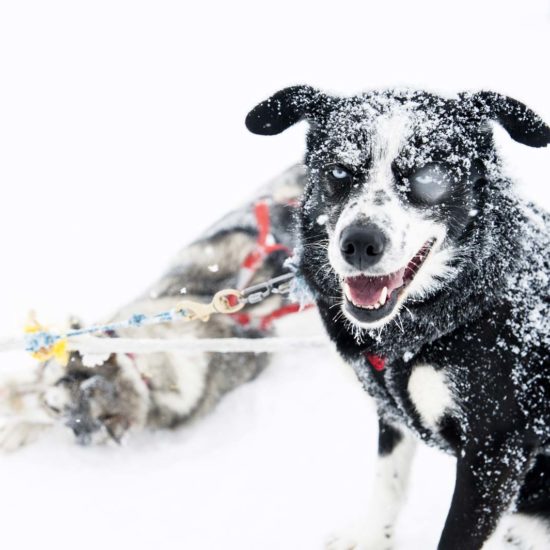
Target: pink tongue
366,291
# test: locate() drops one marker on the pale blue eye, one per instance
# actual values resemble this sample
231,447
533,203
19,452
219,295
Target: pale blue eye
431,183
339,173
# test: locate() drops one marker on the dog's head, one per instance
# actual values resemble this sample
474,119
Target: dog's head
96,403
397,179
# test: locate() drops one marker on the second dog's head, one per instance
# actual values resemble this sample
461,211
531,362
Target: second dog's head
396,178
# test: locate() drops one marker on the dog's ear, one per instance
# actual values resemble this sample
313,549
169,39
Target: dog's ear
523,124
285,108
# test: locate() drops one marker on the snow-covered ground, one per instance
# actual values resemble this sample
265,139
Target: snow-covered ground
121,138
279,464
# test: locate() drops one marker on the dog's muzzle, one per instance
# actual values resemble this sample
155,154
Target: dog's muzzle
362,246
371,298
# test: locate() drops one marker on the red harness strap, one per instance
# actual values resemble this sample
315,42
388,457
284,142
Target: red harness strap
377,363
263,248
265,322
253,261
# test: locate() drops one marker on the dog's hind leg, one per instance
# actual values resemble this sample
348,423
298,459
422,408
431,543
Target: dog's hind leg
395,452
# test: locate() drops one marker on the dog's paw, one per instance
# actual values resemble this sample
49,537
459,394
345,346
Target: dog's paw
361,536
512,540
527,533
520,532
15,433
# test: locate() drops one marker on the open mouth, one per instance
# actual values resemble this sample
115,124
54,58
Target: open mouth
370,298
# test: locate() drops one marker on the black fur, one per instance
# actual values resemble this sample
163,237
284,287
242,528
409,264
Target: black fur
284,109
519,121
487,326
388,438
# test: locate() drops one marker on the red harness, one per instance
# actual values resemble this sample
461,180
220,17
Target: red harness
265,246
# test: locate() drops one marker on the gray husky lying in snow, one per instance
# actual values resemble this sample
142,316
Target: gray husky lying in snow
102,398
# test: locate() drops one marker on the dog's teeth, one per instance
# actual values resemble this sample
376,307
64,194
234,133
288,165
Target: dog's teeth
383,296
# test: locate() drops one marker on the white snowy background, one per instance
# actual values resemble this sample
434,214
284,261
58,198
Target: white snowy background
121,138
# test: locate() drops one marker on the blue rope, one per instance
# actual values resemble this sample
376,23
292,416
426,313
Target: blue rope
37,341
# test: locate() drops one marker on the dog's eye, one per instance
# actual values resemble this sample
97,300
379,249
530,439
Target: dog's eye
339,173
336,173
430,184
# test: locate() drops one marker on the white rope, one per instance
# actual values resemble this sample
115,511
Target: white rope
12,344
94,345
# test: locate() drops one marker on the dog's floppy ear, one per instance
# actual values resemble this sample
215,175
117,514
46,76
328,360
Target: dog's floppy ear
523,124
283,109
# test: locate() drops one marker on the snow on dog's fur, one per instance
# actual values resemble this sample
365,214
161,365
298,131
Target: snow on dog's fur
427,258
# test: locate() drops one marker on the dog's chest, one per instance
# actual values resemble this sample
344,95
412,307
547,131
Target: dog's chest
423,396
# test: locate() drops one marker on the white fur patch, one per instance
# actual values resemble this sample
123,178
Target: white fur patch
375,531
91,360
57,398
435,269
430,391
389,137
520,532
189,380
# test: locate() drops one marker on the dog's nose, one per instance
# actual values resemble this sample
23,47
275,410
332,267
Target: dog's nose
362,245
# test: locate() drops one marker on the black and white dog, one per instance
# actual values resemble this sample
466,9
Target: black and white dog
432,278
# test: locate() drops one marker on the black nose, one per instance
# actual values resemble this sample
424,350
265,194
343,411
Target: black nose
362,245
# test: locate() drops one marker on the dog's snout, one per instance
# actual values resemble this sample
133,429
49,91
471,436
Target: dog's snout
362,245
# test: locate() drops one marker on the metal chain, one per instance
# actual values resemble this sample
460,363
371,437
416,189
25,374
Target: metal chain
260,292
230,301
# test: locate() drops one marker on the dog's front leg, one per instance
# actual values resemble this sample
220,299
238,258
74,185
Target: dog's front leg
488,478
375,531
